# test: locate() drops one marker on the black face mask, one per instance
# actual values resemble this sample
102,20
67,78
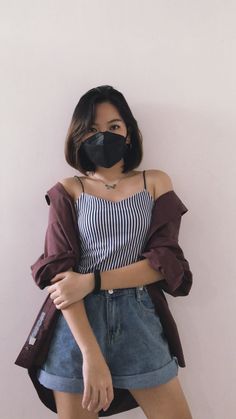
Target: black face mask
105,148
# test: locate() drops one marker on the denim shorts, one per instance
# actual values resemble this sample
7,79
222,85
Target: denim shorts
130,336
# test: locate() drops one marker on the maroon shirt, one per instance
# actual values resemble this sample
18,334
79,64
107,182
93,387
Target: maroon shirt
62,252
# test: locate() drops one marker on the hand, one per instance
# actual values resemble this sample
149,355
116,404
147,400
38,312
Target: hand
69,287
98,388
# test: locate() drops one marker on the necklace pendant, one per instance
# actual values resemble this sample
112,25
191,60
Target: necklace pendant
110,186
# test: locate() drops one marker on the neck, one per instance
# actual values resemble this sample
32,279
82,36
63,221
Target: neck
110,174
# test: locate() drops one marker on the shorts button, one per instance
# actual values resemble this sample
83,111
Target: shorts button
110,291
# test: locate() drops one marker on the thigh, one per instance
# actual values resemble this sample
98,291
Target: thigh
166,401
69,406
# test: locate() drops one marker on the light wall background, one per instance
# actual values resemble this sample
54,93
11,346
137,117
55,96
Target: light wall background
175,63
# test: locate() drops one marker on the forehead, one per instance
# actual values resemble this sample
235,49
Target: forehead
106,112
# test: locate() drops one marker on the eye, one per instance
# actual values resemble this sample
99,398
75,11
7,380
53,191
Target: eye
115,125
90,129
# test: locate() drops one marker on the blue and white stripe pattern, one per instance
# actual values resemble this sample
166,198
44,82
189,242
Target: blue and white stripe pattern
112,234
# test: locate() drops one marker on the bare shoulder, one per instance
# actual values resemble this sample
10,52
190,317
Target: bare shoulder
161,182
72,186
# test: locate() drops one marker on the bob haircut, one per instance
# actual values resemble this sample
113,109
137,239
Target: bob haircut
83,118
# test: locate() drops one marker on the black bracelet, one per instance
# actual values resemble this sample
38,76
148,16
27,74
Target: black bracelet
97,278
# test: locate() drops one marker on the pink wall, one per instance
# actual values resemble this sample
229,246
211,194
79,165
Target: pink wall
175,63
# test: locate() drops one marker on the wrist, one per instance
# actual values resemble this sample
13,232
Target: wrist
92,351
90,281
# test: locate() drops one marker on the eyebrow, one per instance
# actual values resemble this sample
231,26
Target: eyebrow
112,120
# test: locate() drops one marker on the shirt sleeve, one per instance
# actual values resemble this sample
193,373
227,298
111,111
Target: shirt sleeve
162,248
58,255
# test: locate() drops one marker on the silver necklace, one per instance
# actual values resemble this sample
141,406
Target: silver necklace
110,186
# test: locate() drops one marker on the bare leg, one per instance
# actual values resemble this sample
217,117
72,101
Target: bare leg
166,401
69,406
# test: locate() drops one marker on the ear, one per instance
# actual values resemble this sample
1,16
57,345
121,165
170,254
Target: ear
128,139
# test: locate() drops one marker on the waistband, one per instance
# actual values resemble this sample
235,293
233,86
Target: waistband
121,291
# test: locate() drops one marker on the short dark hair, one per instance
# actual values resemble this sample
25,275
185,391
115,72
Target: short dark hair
83,118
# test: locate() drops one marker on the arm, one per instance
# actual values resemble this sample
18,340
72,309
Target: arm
164,264
133,275
67,289
81,330
59,255
96,373
77,319
141,272
61,251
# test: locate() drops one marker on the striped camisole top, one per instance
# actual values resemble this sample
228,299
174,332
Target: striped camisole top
112,234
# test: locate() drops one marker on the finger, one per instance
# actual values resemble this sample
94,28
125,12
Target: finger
106,403
86,396
60,306
54,294
58,276
110,396
51,288
58,300
102,400
110,392
63,305
94,399
54,280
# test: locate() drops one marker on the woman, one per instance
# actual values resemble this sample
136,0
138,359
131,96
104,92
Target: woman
118,330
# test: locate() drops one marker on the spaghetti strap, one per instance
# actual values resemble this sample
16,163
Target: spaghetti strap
144,179
80,181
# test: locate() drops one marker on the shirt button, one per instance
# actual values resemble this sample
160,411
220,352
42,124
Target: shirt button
110,291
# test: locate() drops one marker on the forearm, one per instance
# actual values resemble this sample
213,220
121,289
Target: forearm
133,275
77,319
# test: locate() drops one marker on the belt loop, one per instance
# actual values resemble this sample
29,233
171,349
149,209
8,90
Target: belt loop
139,291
